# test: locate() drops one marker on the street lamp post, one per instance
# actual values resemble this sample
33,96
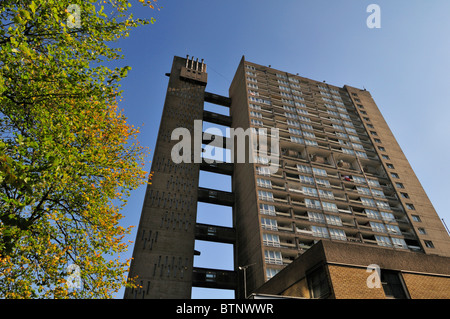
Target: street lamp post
244,268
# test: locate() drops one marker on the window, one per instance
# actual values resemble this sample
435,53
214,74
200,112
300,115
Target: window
383,241
381,148
399,243
363,190
304,168
294,131
351,130
326,194
422,231
373,182
298,140
347,151
404,195
261,159
259,100
262,170
306,179
372,214
255,106
416,218
373,133
389,217
255,114
394,175
331,207
366,119
359,180
293,123
333,220
377,140
318,283
270,272
392,284
306,126
290,115
385,157
267,196
267,209
319,171
429,243
390,166
348,123
256,122
269,224
305,119
319,231
383,205
361,154
271,240
312,203
338,234
399,185
264,183
312,143
369,125
273,257
393,229
316,217
309,191
377,227
368,202
378,193
323,182
289,108
410,206
309,134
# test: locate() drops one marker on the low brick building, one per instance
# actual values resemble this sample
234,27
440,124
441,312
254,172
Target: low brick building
349,271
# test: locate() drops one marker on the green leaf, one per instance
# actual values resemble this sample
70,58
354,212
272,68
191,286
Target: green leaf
33,7
25,14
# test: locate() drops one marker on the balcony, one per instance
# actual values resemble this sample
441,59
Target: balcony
285,228
303,231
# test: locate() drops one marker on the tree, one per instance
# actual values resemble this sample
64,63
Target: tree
68,158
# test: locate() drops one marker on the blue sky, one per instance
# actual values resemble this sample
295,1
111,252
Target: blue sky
405,65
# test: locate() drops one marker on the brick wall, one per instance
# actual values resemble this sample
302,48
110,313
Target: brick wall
427,287
299,289
351,283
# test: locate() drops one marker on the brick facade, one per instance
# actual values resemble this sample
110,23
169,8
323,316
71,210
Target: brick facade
351,283
427,286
